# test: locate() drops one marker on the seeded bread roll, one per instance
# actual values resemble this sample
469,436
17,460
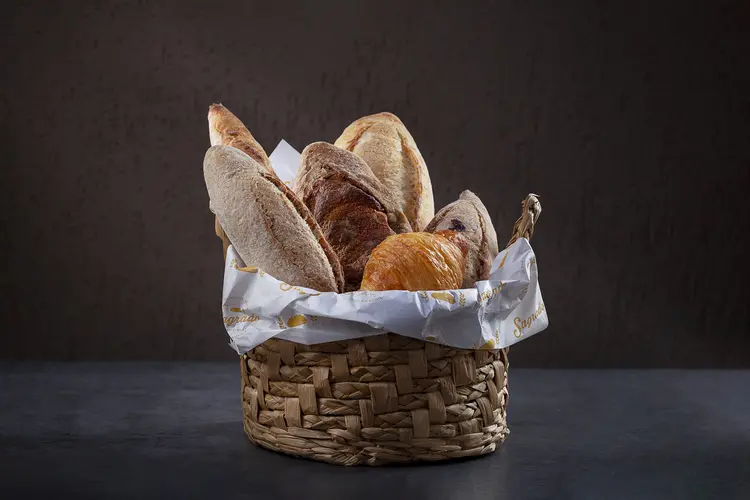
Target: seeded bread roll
352,207
267,224
469,217
390,151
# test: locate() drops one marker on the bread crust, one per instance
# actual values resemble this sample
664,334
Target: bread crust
321,159
267,224
469,217
385,144
349,203
225,129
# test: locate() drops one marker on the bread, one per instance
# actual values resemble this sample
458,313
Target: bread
349,203
267,224
469,217
225,129
416,261
390,151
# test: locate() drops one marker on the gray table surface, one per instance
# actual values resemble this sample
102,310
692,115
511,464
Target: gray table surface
159,430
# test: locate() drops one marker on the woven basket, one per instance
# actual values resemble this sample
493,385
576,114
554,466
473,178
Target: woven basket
380,399
375,400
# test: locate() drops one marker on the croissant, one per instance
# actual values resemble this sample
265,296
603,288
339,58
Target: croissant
417,261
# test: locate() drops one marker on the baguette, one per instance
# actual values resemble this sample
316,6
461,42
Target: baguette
267,224
225,129
385,144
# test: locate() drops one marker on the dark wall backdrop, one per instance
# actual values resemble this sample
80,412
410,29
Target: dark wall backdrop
630,119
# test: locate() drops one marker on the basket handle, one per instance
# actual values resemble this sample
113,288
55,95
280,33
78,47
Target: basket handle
222,236
524,226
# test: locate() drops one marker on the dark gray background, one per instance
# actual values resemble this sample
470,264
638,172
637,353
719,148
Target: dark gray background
630,119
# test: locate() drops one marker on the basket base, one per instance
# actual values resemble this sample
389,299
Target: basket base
351,403
362,453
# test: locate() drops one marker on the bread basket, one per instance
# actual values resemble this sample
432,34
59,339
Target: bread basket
378,400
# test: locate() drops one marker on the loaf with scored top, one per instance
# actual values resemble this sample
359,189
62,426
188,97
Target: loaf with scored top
385,144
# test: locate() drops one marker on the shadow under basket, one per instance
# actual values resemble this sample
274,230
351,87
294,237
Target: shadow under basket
375,400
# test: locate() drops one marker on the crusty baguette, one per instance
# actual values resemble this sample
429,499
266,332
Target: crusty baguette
469,217
349,203
267,224
225,129
388,148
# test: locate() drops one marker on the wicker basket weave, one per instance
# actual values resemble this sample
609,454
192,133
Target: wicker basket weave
375,400
380,399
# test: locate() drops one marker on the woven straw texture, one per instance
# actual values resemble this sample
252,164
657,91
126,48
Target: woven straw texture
376,400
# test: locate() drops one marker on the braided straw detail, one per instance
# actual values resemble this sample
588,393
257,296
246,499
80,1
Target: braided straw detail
531,209
372,401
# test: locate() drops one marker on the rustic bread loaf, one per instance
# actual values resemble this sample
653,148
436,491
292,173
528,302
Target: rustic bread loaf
352,207
267,224
388,148
225,129
469,217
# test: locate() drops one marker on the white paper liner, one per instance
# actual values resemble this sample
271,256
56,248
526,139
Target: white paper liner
496,313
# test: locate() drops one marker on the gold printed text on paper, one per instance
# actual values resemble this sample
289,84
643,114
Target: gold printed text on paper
522,324
486,296
233,320
285,287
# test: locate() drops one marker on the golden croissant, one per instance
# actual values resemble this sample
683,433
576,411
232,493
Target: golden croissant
417,261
